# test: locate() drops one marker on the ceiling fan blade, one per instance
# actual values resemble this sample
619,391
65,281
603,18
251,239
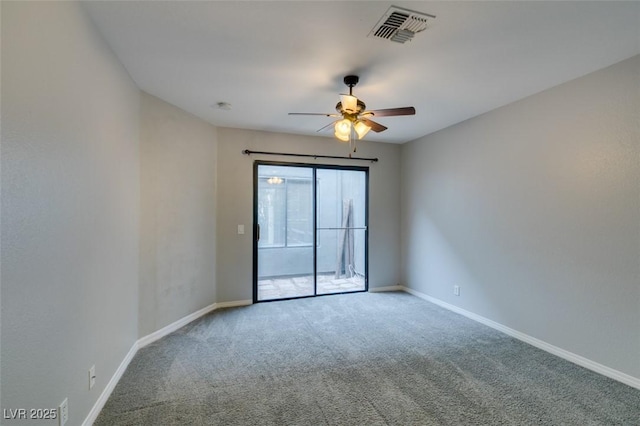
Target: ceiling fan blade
393,111
325,114
328,126
376,127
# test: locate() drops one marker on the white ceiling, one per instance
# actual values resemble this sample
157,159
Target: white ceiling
271,58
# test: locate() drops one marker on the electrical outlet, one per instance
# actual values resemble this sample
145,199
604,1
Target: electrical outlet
63,412
456,290
92,376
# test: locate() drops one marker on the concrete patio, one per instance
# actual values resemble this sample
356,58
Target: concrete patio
281,288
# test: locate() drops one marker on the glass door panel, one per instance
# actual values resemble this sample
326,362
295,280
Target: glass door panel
341,261
285,221
341,198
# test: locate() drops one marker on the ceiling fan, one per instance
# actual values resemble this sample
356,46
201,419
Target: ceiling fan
353,117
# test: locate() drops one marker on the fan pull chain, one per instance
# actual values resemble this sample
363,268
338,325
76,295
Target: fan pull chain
352,141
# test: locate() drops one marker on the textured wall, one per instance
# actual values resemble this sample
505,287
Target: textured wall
70,207
534,210
178,214
235,197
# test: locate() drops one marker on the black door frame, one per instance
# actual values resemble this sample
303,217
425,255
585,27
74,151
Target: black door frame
314,168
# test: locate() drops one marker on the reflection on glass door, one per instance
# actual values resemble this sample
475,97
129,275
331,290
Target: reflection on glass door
311,230
285,241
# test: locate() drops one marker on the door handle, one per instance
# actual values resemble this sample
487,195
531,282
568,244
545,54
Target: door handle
258,232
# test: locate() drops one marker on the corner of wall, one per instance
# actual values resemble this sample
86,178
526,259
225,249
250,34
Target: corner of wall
178,202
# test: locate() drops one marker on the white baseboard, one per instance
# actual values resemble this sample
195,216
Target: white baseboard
569,356
144,341
387,288
106,393
234,304
150,338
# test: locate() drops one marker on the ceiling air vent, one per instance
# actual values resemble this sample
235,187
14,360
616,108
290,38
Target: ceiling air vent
400,25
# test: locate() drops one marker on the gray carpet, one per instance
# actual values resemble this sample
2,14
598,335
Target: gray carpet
359,359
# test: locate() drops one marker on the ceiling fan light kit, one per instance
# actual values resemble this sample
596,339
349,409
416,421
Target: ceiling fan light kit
355,121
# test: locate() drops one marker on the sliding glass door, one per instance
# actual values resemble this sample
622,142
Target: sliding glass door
310,234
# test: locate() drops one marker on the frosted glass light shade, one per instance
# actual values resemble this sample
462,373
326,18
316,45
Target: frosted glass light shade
343,130
361,129
349,103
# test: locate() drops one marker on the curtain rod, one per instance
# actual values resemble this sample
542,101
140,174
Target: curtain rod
248,152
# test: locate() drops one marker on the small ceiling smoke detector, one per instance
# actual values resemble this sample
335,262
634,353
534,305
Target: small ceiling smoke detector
400,25
225,106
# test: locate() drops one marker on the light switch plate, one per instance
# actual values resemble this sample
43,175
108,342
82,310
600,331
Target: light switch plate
240,229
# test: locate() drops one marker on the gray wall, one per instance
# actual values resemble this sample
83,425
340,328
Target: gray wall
70,208
235,198
178,214
534,210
